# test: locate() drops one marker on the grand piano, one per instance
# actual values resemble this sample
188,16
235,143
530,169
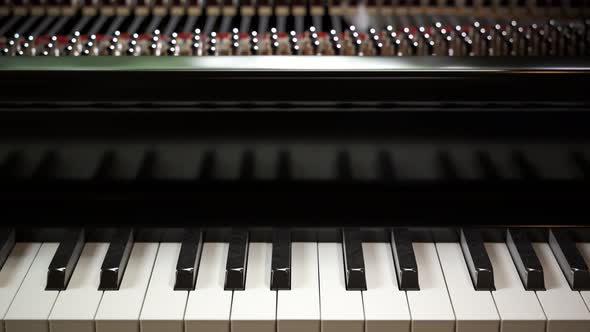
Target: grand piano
254,166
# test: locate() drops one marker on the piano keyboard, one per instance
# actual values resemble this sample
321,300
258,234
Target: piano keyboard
244,286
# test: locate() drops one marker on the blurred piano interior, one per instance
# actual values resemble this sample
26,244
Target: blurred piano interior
294,165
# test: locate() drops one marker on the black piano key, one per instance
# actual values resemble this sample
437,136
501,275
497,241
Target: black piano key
64,262
404,259
488,169
7,241
105,168
354,262
280,275
247,171
570,260
12,165
207,168
582,164
524,166
447,168
284,166
189,259
525,259
385,167
147,167
47,167
237,258
115,261
344,166
476,257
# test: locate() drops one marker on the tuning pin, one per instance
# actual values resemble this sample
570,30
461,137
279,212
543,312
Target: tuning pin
377,44
333,34
335,42
352,33
196,46
487,45
274,40
413,46
88,48
197,38
24,48
468,46
131,47
173,42
448,41
509,46
171,51
69,50
112,50
12,43
254,48
392,36
294,43
212,44
396,47
74,39
498,29
315,43
513,25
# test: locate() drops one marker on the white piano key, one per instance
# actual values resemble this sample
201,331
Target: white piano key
119,310
585,251
163,308
298,309
32,304
75,307
386,307
565,309
208,307
430,307
13,273
474,310
341,310
254,309
519,309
